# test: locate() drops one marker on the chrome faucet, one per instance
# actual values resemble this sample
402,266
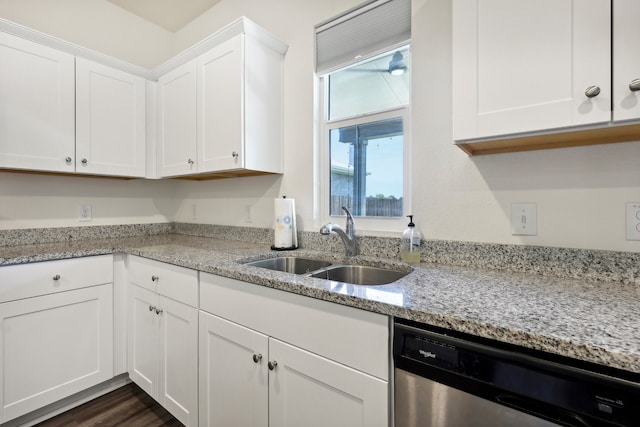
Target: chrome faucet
348,235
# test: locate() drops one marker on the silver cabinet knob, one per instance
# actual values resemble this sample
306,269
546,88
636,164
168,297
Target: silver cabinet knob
56,277
151,308
84,161
592,91
159,311
634,85
235,154
190,161
272,365
257,358
154,278
68,159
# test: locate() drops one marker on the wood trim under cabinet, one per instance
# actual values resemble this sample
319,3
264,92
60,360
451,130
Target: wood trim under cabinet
222,175
563,139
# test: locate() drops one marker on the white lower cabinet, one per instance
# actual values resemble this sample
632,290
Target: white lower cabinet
234,386
271,358
163,335
306,389
56,331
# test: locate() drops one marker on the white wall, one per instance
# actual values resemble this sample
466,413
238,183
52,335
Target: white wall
94,24
580,192
29,200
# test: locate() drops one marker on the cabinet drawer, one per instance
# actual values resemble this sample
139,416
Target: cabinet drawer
356,338
178,283
42,278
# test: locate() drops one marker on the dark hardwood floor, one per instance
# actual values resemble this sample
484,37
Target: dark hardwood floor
126,406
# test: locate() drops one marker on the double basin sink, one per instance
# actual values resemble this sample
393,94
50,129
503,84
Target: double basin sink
345,273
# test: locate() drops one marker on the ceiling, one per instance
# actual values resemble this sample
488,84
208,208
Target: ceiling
171,15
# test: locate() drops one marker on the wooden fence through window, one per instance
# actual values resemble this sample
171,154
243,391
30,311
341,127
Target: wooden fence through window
375,206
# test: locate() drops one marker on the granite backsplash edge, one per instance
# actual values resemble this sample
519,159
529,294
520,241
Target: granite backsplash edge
587,264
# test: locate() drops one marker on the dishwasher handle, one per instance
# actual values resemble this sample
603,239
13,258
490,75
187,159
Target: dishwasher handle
541,410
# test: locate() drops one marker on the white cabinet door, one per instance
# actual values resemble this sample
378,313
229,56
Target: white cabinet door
220,107
37,104
110,121
233,374
143,339
178,360
525,66
53,346
626,61
308,390
163,337
177,121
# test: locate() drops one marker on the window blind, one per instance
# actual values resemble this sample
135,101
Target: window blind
361,32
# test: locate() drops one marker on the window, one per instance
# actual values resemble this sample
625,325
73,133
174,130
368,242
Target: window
365,120
363,61
366,149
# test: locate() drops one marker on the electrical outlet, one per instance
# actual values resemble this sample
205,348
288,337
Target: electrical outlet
633,221
84,213
249,214
524,219
194,211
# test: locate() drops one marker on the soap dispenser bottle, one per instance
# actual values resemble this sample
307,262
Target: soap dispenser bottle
410,244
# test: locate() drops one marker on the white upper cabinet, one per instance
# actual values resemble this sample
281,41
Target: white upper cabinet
626,61
37,124
59,113
234,106
240,107
530,65
110,121
220,82
177,121
218,111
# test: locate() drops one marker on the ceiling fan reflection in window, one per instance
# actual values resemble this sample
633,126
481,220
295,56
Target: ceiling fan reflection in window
395,67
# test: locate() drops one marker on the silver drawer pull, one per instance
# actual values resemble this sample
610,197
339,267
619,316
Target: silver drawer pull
154,278
56,277
592,91
257,358
68,160
159,311
634,86
151,308
84,161
235,154
272,365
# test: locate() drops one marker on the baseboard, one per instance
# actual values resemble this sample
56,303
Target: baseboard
67,403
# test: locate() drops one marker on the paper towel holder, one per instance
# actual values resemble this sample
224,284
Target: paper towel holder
294,230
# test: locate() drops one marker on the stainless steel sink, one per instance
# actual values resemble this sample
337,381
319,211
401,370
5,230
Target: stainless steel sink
349,274
295,265
360,275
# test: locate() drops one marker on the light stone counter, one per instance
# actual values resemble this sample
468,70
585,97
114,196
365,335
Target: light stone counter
593,321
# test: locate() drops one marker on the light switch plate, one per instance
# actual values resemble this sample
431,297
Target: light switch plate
524,219
633,221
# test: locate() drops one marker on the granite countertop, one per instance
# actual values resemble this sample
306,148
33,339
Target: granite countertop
596,322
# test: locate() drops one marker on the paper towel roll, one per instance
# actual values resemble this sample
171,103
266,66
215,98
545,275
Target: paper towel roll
285,224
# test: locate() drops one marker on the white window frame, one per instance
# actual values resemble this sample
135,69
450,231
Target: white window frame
322,174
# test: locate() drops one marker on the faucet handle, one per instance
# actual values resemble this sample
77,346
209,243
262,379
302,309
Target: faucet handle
350,228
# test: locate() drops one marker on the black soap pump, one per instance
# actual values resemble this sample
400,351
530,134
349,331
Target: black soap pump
410,244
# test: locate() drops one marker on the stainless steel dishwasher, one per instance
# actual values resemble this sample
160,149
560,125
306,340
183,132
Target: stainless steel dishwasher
446,379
